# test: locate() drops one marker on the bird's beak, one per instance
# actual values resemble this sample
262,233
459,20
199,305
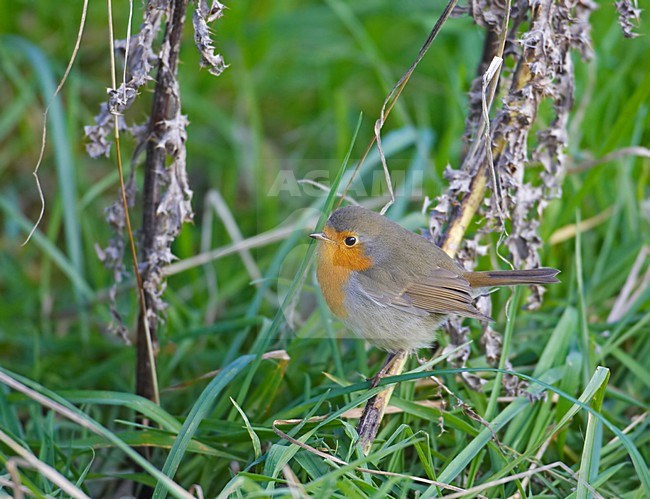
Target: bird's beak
320,236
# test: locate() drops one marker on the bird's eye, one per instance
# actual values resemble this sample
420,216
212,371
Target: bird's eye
350,241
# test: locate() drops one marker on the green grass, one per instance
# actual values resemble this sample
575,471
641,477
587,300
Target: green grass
301,74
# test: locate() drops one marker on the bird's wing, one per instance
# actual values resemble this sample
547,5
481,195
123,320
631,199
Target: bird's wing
440,292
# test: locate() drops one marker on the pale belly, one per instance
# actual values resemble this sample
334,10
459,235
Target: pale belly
389,328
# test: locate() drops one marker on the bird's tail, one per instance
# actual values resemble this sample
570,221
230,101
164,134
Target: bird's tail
494,278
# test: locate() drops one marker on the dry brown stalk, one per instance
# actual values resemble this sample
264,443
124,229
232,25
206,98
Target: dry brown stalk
374,410
165,110
166,191
543,69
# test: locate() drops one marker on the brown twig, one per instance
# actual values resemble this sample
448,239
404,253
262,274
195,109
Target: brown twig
164,108
374,411
123,189
499,150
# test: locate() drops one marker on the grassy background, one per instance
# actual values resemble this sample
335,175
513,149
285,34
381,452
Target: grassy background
300,74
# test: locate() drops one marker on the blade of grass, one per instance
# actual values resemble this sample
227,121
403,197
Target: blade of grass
585,340
257,447
134,402
63,157
55,402
639,370
150,438
507,339
555,351
592,444
570,384
263,340
46,471
19,105
346,14
64,264
198,413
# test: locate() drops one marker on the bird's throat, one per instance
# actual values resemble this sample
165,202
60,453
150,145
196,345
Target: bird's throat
335,264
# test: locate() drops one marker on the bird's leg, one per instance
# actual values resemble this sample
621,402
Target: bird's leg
390,358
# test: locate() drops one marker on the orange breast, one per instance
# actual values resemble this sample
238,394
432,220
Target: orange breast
334,265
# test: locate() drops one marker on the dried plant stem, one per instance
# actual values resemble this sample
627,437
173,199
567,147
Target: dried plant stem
140,290
479,153
376,406
125,204
136,271
373,413
15,483
162,110
463,216
499,153
526,475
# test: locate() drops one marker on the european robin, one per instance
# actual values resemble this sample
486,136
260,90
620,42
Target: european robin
393,287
